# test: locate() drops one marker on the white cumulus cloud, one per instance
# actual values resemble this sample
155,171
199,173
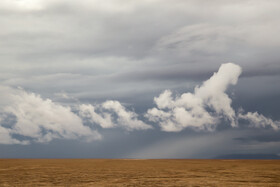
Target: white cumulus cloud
40,120
206,107
112,114
259,120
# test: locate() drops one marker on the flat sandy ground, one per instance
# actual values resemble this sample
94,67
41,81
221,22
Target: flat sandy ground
98,172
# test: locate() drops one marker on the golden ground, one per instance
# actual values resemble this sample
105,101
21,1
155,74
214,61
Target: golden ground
121,172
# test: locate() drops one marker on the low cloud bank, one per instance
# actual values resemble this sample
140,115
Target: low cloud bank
42,120
27,117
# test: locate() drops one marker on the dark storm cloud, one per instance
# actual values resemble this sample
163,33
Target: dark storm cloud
263,136
185,72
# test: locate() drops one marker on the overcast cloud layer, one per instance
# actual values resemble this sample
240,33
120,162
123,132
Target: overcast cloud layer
96,71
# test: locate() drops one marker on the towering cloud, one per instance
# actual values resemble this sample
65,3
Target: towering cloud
206,107
212,92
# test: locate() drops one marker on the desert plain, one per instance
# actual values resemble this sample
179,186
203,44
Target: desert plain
132,172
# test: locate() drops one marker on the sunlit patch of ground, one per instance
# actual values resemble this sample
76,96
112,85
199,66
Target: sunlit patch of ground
99,172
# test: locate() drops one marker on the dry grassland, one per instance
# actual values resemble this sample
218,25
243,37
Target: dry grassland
99,172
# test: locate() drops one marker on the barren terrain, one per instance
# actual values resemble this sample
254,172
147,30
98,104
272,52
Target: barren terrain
122,172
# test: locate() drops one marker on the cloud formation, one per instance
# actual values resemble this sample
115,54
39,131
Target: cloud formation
204,109
27,117
112,114
258,120
42,120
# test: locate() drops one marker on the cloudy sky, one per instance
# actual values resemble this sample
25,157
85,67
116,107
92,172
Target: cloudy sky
139,79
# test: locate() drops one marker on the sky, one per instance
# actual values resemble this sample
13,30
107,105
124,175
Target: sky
139,79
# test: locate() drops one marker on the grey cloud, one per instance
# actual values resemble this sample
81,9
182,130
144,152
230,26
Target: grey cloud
267,135
63,36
